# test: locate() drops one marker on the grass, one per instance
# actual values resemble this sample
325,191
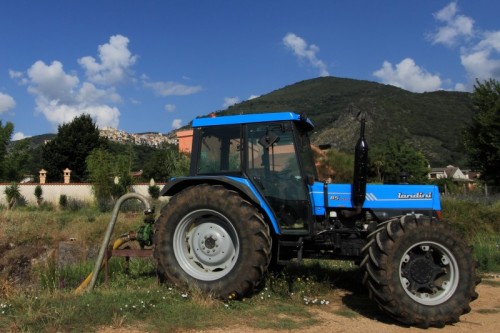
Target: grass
491,283
136,299
289,300
477,219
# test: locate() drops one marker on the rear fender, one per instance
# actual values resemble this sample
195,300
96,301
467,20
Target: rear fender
241,185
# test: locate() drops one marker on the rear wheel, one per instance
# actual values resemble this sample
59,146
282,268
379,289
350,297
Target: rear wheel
420,272
211,238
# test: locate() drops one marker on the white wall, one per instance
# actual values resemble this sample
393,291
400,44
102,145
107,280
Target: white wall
52,192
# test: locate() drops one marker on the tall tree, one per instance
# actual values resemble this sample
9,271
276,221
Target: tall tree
390,160
5,135
166,163
482,136
18,161
109,174
70,148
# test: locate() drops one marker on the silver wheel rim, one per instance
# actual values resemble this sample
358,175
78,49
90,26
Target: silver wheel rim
206,245
429,273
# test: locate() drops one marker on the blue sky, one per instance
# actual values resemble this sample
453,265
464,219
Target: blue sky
154,65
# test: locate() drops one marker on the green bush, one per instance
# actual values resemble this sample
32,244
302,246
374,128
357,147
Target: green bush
38,194
13,195
154,191
63,200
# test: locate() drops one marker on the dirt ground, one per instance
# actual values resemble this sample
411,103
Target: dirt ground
484,317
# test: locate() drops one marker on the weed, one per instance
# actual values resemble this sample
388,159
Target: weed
487,251
491,283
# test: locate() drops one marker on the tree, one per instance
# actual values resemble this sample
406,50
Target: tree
166,163
122,178
482,136
18,160
70,148
109,174
388,161
5,135
334,165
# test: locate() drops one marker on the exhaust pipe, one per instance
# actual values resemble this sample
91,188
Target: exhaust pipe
360,168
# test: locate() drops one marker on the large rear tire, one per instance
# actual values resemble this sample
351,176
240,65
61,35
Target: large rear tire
211,238
420,272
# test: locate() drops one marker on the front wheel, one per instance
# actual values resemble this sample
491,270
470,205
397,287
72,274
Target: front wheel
420,272
211,238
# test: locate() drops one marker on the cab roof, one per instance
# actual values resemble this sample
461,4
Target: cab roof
249,118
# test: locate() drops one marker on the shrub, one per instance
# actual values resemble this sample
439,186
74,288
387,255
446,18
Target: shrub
63,201
13,195
154,191
38,194
75,205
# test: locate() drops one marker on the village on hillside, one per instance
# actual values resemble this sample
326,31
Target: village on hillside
143,139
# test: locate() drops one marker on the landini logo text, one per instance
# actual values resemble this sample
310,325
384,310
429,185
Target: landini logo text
418,195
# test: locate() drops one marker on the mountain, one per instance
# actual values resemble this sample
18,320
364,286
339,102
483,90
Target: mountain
430,122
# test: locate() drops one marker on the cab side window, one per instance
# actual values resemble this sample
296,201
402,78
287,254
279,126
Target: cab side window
220,150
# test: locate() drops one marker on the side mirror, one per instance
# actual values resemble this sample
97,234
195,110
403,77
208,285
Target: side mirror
269,139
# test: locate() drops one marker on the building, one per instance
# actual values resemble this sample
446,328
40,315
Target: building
466,179
185,140
449,172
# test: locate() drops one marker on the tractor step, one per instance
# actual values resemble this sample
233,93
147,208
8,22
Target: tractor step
288,247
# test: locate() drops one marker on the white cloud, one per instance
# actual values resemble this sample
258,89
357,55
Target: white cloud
455,26
460,87
253,97
18,76
229,101
479,50
60,97
115,60
409,76
176,123
304,51
171,88
51,81
18,136
482,61
15,74
170,107
6,103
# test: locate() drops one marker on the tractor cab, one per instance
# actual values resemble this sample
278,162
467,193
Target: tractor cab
271,152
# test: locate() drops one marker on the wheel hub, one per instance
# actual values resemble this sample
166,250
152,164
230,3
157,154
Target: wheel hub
421,272
211,244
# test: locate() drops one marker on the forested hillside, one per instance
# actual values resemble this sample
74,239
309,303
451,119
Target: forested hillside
430,122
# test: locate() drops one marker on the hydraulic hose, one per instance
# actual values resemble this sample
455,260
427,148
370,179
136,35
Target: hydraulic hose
109,231
119,242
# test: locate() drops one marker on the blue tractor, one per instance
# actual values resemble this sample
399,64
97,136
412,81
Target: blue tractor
253,199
